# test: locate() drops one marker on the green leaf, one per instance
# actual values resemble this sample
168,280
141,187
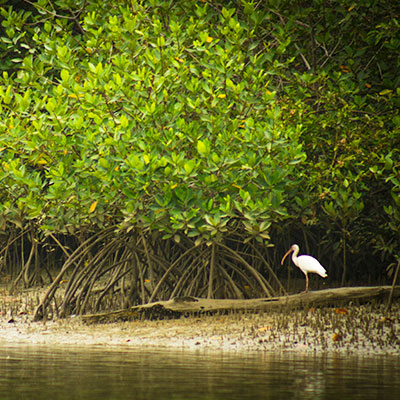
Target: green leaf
189,166
203,148
64,75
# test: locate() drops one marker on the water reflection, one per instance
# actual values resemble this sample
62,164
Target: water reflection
40,372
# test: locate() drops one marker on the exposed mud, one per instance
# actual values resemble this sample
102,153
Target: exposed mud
365,329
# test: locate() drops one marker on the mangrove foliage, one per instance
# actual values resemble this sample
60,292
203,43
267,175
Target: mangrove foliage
154,149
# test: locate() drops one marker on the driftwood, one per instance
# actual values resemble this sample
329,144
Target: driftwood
179,306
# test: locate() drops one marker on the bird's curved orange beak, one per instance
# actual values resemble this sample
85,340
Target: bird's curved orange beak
287,253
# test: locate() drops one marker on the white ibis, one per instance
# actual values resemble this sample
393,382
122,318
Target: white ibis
305,263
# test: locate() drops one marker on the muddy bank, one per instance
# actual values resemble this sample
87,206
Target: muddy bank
365,329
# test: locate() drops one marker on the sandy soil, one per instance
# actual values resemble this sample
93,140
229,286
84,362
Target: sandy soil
363,329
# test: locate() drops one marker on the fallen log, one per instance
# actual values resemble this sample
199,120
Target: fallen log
181,306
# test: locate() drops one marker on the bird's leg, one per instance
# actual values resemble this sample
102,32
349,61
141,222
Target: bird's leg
306,283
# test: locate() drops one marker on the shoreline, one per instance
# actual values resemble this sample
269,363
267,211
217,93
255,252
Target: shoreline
357,330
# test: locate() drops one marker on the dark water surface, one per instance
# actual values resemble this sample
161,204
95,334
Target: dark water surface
54,372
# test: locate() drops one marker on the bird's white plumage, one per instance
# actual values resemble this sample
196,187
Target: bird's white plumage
307,264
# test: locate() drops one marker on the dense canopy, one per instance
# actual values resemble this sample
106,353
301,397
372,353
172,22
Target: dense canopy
153,144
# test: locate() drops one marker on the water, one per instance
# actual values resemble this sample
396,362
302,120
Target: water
48,372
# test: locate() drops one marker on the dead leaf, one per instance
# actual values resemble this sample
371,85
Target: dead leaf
336,337
265,328
93,206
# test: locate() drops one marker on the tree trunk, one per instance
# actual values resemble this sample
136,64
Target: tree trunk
187,305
